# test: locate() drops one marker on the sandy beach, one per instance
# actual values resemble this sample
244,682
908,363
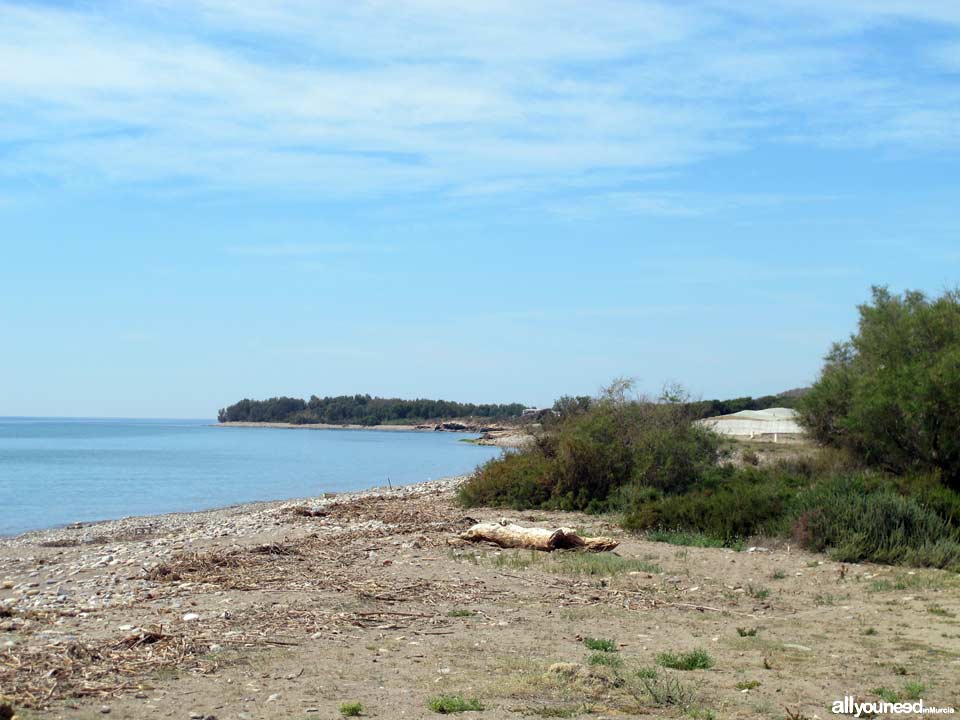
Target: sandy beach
288,609
508,437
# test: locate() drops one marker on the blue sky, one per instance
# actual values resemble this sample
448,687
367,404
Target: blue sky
495,201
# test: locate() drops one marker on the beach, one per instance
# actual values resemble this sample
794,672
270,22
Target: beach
505,437
288,609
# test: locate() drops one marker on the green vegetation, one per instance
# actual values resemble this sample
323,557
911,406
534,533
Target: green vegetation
941,611
748,685
447,704
608,659
600,458
600,645
891,394
461,613
747,632
664,691
351,709
882,487
360,410
698,659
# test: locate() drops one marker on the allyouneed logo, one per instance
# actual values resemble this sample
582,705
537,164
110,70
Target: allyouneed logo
849,706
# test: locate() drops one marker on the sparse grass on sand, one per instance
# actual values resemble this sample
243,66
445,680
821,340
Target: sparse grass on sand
698,659
574,563
600,645
448,704
351,709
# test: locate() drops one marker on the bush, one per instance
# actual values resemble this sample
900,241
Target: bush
891,394
517,480
599,457
730,506
858,522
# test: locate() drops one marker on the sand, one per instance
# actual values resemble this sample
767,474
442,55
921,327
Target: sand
288,609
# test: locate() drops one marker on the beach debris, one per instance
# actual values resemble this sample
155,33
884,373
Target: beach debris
509,535
305,511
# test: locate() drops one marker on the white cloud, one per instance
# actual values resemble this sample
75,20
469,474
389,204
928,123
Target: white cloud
465,99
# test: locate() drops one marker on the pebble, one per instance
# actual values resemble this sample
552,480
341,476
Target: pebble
274,697
105,709
189,617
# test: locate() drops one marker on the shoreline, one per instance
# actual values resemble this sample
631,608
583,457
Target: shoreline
327,426
171,521
497,436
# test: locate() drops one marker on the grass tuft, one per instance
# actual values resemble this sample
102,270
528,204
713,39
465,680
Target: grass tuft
605,658
448,704
351,709
698,659
600,645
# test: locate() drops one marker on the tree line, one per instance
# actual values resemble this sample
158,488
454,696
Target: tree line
361,410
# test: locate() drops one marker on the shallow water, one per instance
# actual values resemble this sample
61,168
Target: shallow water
56,471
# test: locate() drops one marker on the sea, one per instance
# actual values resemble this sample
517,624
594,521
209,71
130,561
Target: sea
57,471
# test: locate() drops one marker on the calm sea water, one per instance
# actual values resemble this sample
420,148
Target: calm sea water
57,471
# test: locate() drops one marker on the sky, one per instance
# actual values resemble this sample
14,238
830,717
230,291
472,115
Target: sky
495,201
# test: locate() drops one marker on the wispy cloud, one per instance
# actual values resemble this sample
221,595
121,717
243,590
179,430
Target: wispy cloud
458,98
303,250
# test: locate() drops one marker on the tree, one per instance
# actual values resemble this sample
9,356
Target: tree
891,394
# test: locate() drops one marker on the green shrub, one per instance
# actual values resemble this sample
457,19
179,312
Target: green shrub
517,480
605,658
600,457
447,704
727,506
698,659
858,523
351,709
600,644
891,394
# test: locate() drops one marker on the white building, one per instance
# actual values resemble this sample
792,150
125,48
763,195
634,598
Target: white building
772,423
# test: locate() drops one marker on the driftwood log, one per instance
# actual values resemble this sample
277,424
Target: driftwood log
516,536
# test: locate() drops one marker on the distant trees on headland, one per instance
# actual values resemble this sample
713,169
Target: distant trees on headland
360,410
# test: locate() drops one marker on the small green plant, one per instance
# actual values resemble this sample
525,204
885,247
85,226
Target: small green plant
461,613
600,644
351,709
748,684
605,658
940,610
913,690
778,574
663,691
747,632
447,704
647,673
887,695
698,659
900,670
599,564
701,714
870,631
690,539
760,593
